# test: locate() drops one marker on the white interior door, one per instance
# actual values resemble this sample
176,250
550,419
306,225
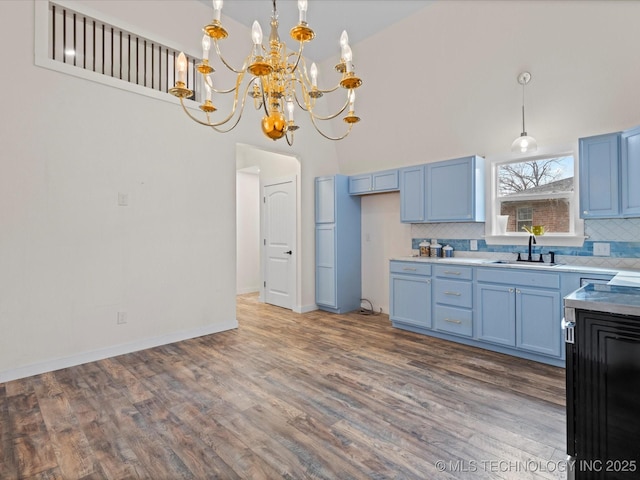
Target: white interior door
279,242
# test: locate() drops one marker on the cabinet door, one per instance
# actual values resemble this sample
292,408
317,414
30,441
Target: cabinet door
360,184
325,200
599,197
412,193
410,300
538,321
496,313
385,181
325,265
630,169
450,190
606,390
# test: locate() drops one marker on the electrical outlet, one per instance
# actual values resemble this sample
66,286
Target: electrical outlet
473,245
123,199
602,249
122,318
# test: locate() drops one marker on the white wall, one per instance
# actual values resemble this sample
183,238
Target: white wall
383,237
248,232
70,257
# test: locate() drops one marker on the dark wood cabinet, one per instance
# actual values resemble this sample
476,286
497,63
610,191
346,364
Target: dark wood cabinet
603,396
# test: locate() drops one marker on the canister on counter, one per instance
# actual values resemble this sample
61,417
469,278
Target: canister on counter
424,249
436,248
448,251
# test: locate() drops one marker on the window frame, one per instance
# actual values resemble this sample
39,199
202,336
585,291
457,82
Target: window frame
575,237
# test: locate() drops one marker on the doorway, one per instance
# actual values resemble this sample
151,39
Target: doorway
261,267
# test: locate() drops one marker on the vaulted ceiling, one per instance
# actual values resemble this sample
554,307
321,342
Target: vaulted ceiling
328,18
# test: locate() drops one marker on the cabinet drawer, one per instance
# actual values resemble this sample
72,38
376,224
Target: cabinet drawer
412,268
454,320
451,292
518,277
453,271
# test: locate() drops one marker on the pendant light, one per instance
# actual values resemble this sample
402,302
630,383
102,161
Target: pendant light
524,143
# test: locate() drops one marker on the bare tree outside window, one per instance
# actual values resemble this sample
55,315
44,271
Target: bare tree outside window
541,187
521,176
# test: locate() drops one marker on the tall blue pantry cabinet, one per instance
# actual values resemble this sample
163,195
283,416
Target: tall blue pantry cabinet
338,259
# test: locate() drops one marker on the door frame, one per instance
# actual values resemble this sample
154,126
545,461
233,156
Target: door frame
253,156
296,224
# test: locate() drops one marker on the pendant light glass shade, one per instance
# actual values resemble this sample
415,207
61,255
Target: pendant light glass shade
524,143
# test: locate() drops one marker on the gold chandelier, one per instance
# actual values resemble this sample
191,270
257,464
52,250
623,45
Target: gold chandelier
278,79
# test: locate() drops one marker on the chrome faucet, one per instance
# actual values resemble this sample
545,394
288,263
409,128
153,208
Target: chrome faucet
532,240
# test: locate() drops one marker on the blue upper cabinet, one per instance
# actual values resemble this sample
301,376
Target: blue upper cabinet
377,182
455,190
609,175
630,169
412,194
325,200
599,168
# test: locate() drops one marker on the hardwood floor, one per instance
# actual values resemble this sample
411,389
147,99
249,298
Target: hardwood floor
289,396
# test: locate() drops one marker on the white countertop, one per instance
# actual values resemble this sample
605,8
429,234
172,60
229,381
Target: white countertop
629,276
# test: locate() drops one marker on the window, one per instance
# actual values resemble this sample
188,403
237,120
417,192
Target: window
534,191
524,218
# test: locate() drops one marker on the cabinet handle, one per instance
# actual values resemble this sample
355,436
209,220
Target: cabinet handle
585,212
457,294
453,320
450,272
409,269
511,290
518,291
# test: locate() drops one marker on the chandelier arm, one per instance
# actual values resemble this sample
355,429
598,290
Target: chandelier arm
286,136
264,96
329,117
299,56
219,53
194,118
327,136
229,117
210,83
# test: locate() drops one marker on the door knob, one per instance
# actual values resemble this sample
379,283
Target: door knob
288,253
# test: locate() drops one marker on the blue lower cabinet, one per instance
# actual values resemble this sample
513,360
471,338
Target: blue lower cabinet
512,311
410,300
537,320
496,314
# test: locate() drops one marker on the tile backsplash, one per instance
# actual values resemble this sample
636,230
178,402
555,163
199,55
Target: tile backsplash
623,236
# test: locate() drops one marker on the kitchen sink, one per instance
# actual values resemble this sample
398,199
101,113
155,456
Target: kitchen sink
525,264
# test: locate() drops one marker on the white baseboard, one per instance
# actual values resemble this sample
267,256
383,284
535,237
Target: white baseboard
243,290
305,308
86,357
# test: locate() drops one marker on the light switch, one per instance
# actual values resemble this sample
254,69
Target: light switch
123,199
473,245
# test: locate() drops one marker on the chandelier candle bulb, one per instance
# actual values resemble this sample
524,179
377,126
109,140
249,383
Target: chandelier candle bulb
256,36
206,46
314,75
348,57
302,10
217,9
182,68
